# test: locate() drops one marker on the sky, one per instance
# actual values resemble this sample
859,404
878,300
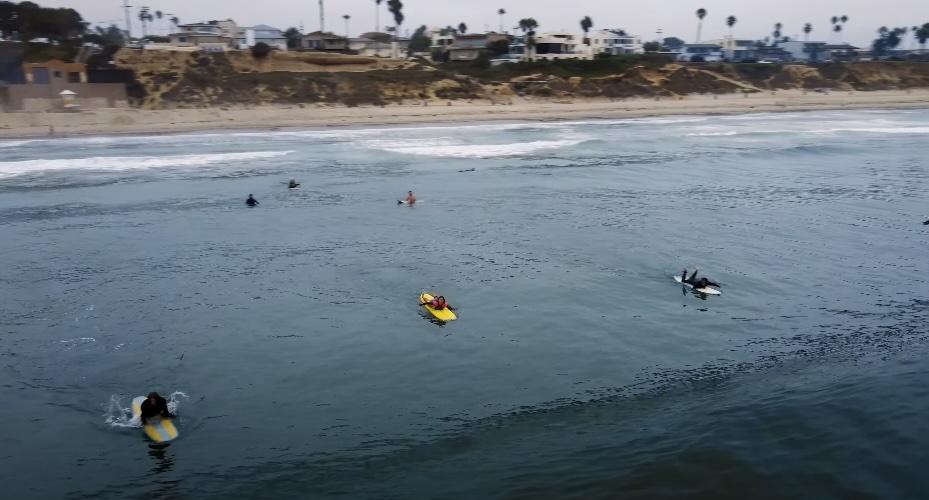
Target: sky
756,18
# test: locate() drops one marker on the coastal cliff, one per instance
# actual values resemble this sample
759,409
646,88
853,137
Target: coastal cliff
173,80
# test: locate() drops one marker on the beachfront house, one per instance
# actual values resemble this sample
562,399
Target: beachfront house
841,52
261,33
805,51
212,36
465,48
373,47
558,46
324,41
701,52
442,39
736,50
614,42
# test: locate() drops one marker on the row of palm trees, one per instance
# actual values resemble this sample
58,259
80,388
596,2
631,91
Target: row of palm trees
147,16
837,25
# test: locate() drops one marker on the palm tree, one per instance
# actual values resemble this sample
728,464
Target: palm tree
701,13
528,26
175,21
922,34
145,17
777,30
501,13
396,8
158,15
346,17
377,15
730,21
807,29
462,28
586,24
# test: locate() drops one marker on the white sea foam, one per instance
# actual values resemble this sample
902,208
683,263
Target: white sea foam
118,415
127,163
15,144
879,130
447,147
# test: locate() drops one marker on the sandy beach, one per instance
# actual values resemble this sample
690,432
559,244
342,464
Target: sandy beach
139,121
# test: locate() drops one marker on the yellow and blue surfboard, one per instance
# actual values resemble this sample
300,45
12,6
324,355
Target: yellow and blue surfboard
159,430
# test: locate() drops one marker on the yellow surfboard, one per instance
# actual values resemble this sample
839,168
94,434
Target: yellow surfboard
159,430
440,314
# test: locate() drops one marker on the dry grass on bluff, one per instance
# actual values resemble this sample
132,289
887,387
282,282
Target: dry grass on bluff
184,79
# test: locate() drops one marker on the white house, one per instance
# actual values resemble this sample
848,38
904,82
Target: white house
262,33
735,49
374,48
614,42
705,52
556,46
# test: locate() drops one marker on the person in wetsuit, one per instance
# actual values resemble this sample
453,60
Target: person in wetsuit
154,406
251,201
697,283
293,184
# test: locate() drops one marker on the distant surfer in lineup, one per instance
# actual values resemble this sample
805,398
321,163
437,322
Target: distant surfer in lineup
409,200
697,283
293,184
251,201
926,223
154,406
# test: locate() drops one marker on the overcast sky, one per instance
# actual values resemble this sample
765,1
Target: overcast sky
645,17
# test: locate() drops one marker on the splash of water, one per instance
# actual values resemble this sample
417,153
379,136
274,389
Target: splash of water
118,414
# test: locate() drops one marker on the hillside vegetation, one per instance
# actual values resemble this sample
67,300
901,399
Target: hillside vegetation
178,79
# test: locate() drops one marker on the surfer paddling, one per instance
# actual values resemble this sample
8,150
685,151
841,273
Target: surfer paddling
154,406
437,303
697,283
409,200
293,184
251,201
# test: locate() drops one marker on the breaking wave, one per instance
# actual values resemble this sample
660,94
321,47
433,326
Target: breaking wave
446,147
126,163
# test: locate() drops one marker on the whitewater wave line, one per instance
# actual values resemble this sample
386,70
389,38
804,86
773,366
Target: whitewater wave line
127,163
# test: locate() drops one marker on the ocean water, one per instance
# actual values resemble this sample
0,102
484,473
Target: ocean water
289,338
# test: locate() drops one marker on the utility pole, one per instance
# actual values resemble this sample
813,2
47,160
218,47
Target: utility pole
126,8
322,18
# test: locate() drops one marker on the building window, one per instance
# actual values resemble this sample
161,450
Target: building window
74,77
57,74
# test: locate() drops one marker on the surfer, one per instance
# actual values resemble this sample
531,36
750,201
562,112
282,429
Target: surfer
154,406
293,184
697,283
926,223
437,303
410,199
251,201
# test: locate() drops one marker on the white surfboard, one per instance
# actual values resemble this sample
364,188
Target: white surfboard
158,429
706,290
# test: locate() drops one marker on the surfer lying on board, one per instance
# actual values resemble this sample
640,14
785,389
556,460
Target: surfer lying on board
697,283
926,223
154,406
293,184
437,303
251,201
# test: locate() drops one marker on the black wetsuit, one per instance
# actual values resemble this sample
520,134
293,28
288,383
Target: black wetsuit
293,185
926,223
251,202
160,408
694,282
